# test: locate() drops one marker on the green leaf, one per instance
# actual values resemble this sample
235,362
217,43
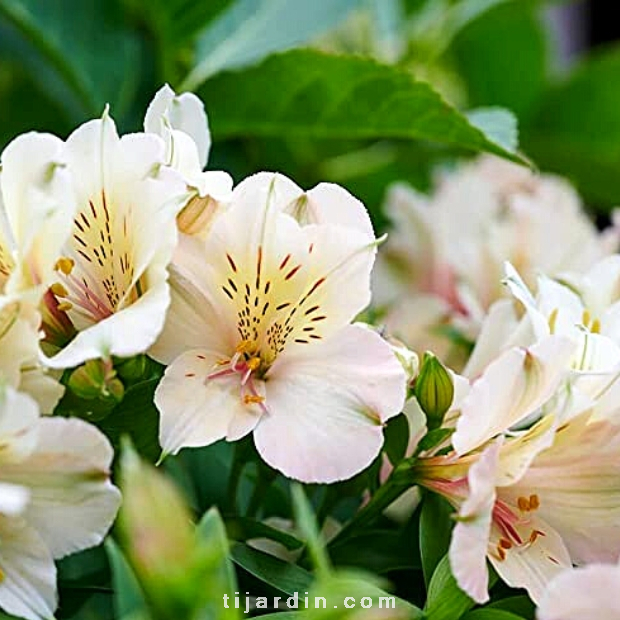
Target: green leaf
435,532
503,57
286,577
128,596
445,601
433,438
377,551
518,605
490,614
243,528
250,30
498,124
81,49
311,94
307,527
576,131
396,438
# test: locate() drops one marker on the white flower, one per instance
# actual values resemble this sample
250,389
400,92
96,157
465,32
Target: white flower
446,254
533,501
111,293
182,122
55,499
259,336
581,593
36,210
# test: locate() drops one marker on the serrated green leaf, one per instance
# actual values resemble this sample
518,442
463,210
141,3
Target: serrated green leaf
286,577
435,532
445,601
250,30
312,94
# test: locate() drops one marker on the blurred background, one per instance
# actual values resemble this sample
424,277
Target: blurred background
555,65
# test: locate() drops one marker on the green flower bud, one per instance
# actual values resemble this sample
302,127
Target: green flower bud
434,390
96,379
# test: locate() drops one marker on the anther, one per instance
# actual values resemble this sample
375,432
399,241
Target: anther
596,327
585,318
250,399
253,363
59,290
534,502
523,504
65,265
64,306
504,543
552,320
246,346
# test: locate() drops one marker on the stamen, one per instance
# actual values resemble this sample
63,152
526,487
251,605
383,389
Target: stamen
250,399
59,290
504,543
65,265
65,306
585,318
596,327
523,504
534,502
254,363
246,346
552,320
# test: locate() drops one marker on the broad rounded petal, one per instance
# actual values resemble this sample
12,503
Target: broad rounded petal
72,501
28,587
185,113
44,388
39,202
327,405
582,593
128,332
19,339
510,389
328,203
196,411
19,432
533,565
470,537
215,183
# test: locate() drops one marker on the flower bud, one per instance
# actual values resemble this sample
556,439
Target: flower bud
97,379
434,390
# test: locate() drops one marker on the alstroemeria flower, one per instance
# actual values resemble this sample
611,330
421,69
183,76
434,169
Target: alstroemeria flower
111,293
36,210
259,339
583,593
182,122
442,265
55,498
534,500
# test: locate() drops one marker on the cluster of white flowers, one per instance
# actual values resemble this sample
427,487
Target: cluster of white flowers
117,246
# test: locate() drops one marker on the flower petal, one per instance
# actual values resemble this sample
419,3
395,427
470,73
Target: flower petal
19,432
28,586
511,388
195,411
72,501
327,406
577,594
470,537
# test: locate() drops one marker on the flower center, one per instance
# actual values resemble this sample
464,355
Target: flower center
510,523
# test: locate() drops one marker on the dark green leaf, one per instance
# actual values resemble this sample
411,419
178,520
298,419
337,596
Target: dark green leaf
518,605
250,30
435,531
308,93
434,438
242,529
446,601
396,438
286,577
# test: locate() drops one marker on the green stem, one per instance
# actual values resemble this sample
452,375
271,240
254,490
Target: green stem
399,481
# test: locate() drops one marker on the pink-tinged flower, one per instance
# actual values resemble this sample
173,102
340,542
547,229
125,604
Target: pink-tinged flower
259,338
111,293
442,265
532,501
583,593
36,211
55,498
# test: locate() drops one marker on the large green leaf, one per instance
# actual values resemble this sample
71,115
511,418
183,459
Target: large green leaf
491,614
311,94
128,596
250,30
577,129
80,49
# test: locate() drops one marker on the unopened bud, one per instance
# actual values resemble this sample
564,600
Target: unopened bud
96,379
434,390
